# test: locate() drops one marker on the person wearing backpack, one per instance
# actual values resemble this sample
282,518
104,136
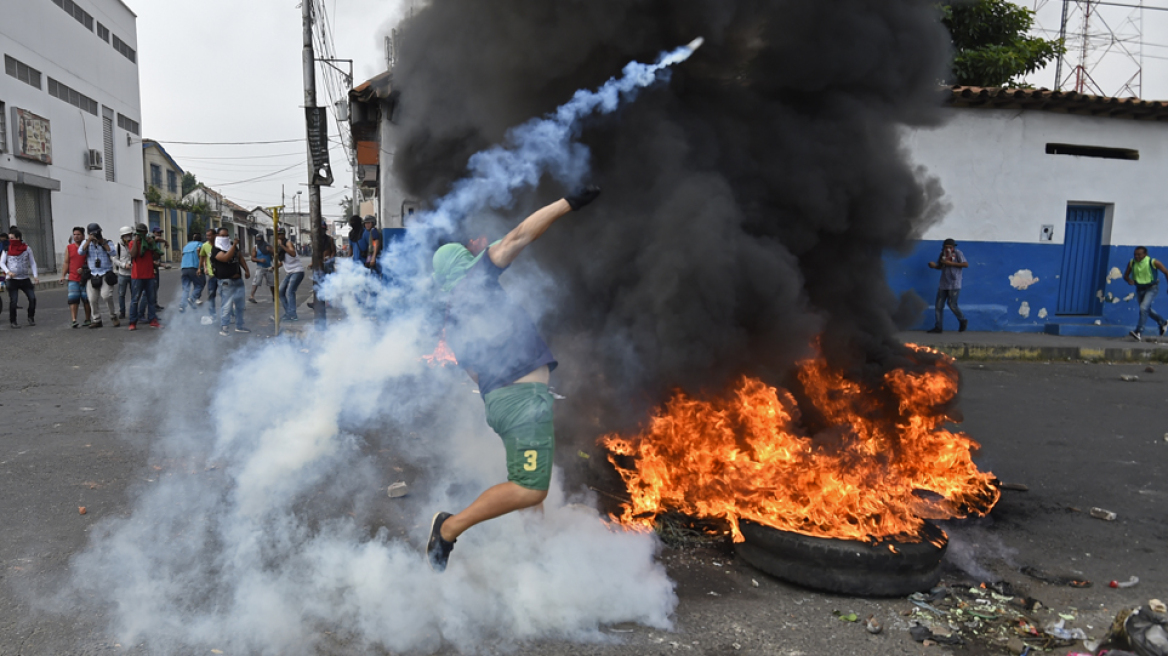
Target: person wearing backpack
1141,272
143,302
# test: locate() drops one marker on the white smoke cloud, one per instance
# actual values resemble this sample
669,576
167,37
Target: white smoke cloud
265,530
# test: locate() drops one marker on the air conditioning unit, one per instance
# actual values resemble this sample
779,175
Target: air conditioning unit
367,173
93,160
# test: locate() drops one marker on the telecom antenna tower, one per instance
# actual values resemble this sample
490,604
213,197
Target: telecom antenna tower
1104,43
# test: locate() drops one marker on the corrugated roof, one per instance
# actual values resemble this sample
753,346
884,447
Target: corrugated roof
1065,102
379,86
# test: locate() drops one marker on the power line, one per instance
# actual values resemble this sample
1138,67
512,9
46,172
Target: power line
227,143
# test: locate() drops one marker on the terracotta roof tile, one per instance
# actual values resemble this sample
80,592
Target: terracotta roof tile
1066,102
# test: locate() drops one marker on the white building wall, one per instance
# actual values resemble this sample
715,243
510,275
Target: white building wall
1003,187
41,35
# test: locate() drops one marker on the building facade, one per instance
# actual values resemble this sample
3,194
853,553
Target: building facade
162,186
70,120
1048,194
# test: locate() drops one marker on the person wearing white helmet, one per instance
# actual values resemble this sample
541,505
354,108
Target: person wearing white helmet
122,267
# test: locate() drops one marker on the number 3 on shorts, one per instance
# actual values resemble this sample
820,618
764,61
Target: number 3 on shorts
532,460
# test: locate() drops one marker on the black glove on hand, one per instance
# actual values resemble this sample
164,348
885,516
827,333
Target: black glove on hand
582,197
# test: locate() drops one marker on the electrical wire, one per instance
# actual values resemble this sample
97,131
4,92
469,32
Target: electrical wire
226,143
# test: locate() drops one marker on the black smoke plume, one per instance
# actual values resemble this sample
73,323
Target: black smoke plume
747,202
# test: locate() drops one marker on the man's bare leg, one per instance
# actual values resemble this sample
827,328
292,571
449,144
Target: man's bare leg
495,502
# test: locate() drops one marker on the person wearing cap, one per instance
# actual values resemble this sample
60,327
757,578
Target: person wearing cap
71,272
122,264
371,243
951,262
143,248
96,250
18,266
497,344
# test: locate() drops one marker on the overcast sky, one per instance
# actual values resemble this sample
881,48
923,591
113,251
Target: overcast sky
229,71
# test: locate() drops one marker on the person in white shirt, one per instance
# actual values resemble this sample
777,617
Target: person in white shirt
293,274
19,266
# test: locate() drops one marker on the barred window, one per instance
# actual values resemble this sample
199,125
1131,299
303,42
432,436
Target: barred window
73,97
125,49
128,124
22,71
103,32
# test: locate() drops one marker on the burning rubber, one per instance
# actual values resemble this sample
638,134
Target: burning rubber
885,569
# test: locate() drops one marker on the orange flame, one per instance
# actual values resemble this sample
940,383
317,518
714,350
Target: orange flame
442,354
884,465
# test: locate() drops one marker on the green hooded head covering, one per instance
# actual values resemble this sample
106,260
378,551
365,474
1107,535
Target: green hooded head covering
451,262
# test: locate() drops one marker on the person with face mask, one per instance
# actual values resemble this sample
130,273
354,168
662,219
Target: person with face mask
122,264
19,266
231,270
951,262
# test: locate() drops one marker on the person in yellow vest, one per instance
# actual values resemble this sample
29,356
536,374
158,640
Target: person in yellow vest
1142,272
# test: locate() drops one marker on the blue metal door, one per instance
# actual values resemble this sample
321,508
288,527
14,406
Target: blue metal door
1082,259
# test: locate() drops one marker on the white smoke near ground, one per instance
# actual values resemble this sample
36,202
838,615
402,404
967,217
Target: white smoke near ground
261,524
974,550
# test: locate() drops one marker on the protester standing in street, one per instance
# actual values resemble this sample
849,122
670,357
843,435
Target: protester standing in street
208,272
102,279
328,260
356,232
19,266
261,254
230,270
161,245
142,300
372,239
950,262
1143,272
71,272
293,276
122,262
497,344
190,272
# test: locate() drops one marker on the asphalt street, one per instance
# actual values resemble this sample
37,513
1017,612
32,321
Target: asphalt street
1076,434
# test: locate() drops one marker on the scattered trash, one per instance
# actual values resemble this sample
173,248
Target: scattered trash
850,617
1129,379
1057,579
1157,606
1059,630
1130,583
873,625
81,510
398,489
924,634
1105,515
1149,369
583,455
1017,487
1146,632
754,583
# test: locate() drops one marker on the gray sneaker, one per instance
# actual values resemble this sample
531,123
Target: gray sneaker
1136,335
1163,328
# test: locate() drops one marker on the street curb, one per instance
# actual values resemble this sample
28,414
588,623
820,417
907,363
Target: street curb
1158,353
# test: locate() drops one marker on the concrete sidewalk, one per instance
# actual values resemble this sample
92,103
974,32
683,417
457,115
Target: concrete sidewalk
1040,346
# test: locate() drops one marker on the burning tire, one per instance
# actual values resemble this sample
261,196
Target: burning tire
845,566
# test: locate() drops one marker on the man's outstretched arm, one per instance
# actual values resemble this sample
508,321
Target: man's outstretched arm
530,229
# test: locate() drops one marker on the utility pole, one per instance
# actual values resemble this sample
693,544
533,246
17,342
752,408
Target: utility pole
318,308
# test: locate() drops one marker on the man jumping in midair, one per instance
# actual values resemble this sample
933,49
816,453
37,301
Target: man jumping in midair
498,345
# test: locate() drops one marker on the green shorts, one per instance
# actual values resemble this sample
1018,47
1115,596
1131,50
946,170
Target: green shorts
522,415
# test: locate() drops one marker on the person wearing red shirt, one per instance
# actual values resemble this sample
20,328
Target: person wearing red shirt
142,289
74,261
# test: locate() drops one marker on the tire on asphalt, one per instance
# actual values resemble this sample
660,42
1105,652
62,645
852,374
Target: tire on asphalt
845,566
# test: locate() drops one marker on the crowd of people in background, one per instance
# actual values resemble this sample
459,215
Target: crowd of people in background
98,269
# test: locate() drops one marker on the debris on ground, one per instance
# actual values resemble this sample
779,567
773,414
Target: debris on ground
1016,487
1127,378
398,489
848,617
1130,583
873,625
1056,579
1142,629
81,510
1105,515
1149,369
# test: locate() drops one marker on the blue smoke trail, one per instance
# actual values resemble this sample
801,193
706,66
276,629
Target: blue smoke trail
545,145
